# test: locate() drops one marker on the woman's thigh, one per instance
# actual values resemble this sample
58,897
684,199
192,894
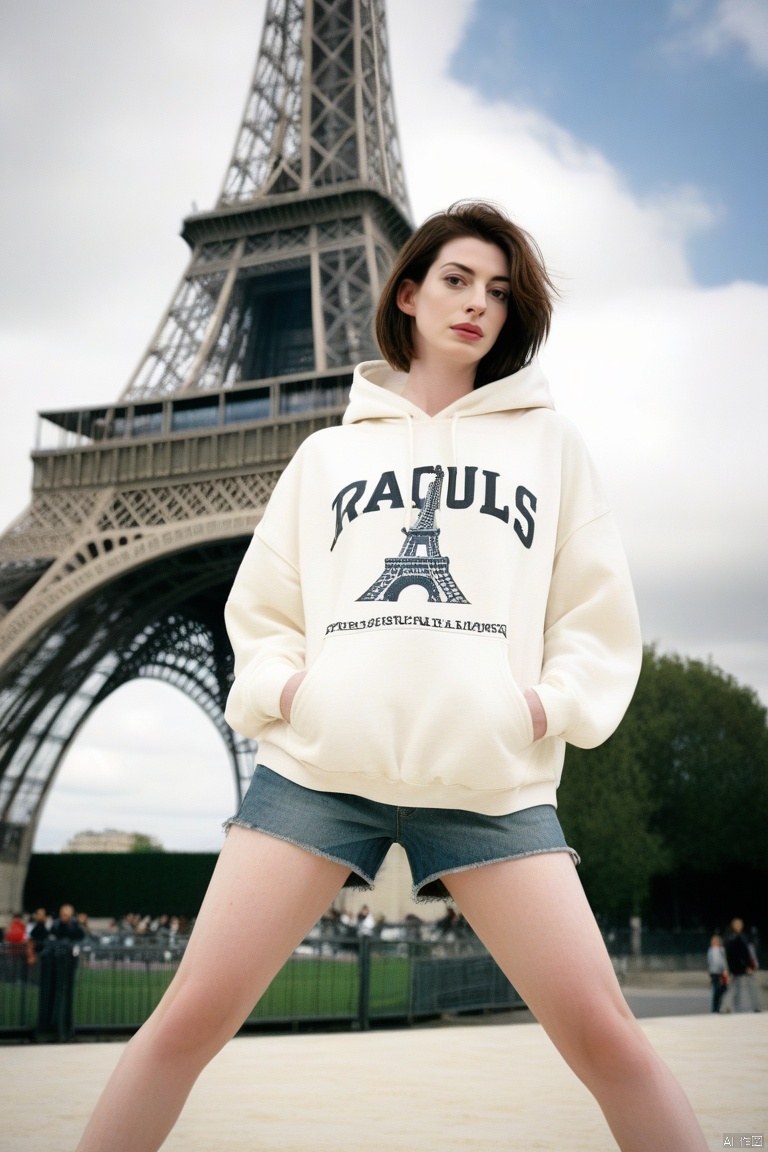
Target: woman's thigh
264,897
534,918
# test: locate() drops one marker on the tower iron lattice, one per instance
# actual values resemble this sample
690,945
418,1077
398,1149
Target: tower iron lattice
141,509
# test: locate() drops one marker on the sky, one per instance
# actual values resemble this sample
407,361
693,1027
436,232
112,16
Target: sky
629,139
673,94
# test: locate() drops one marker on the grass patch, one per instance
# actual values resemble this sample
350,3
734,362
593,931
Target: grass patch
18,1004
124,995
116,994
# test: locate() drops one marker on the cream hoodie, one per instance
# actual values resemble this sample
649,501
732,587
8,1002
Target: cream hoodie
426,570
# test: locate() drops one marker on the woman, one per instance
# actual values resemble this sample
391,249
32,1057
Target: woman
717,966
433,603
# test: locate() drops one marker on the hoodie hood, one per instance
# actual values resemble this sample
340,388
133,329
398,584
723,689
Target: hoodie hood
376,394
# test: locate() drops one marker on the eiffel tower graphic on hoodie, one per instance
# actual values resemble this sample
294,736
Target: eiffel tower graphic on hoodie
419,561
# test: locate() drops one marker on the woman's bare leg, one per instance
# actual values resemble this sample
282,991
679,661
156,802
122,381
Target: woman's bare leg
264,896
534,918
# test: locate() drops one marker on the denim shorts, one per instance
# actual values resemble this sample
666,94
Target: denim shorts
358,833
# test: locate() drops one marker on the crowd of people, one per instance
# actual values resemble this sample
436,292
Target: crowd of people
27,938
27,935
732,964
363,923
133,926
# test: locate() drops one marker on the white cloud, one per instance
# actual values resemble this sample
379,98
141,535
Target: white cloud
594,231
708,30
667,388
746,23
665,378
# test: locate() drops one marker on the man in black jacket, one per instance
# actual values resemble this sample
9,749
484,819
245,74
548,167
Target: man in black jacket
66,927
38,931
740,965
58,970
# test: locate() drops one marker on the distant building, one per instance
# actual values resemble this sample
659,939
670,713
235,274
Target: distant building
112,840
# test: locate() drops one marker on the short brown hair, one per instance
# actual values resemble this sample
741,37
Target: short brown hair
531,291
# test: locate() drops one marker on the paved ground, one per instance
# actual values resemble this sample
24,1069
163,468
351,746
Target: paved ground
644,1002
499,1089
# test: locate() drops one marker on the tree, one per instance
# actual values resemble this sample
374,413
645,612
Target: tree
144,843
606,805
703,743
681,787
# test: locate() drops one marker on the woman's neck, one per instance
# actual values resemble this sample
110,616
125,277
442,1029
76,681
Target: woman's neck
433,387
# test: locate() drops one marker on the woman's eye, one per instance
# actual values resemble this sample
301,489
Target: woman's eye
453,280
500,294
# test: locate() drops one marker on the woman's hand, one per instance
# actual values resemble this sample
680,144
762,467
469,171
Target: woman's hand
288,693
538,715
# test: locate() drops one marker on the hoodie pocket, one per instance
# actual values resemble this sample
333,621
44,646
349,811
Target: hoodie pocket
424,708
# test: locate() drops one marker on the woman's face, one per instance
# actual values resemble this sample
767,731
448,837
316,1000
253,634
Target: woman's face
460,308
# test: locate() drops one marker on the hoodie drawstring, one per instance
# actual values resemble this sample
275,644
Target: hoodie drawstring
408,501
454,440
408,504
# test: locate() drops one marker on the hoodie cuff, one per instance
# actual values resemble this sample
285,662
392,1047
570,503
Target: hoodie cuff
561,708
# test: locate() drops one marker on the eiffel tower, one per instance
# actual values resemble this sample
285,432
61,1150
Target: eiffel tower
419,561
142,508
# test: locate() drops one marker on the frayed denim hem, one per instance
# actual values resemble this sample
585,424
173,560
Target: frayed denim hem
366,885
431,898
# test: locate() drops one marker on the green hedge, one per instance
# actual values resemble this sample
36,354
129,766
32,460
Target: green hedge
112,883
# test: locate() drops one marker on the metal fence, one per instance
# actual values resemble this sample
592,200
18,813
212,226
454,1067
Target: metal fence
656,951
101,988
19,990
332,979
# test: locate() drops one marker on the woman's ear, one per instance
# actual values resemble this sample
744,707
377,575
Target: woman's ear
406,297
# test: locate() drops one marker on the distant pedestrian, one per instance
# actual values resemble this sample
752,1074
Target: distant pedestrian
59,968
717,966
366,921
752,985
38,930
67,926
16,932
15,952
740,965
446,925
